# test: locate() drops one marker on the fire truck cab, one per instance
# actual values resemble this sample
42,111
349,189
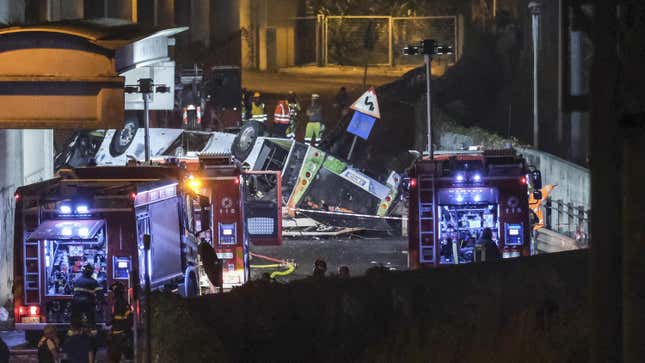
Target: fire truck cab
246,209
99,215
453,197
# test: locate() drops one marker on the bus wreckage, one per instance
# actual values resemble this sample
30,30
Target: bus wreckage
315,184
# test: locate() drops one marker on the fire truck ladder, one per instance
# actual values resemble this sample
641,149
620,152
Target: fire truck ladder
427,235
32,272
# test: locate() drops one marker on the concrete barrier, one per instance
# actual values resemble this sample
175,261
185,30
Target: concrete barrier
531,309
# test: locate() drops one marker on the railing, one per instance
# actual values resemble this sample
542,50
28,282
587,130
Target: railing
568,219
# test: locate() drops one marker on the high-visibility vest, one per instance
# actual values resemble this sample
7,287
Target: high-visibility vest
257,112
281,114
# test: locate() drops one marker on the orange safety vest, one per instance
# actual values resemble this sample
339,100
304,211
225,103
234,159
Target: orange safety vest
281,114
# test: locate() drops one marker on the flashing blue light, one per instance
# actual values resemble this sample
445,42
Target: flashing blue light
65,209
477,177
460,177
82,209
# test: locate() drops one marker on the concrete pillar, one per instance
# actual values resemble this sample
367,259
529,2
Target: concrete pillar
248,31
606,232
200,21
12,11
225,32
26,156
69,9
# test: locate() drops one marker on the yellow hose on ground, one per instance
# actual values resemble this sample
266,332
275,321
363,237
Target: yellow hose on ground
290,269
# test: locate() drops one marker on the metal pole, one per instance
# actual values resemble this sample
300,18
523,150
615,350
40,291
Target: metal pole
534,7
428,61
147,126
147,321
351,149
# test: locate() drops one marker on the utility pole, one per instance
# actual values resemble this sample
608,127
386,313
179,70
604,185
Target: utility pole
428,48
535,8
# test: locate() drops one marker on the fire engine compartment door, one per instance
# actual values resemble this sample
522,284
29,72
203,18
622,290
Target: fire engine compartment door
67,229
165,246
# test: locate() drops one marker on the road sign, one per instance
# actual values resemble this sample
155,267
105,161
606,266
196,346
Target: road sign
361,125
367,104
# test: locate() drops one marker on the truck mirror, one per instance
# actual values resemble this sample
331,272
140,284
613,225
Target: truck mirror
536,179
537,195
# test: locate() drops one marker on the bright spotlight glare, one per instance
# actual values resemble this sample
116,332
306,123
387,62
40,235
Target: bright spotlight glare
65,209
82,209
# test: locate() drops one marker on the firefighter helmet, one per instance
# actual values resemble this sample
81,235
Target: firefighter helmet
256,94
88,269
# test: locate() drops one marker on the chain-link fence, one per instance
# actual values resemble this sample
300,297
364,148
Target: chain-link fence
354,40
377,40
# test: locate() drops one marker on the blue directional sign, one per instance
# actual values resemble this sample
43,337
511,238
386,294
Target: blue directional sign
361,125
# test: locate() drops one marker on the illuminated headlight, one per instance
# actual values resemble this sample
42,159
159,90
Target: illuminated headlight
65,209
477,178
83,232
460,198
511,254
460,177
477,198
66,231
82,209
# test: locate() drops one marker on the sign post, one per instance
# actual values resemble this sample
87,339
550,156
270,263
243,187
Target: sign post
367,111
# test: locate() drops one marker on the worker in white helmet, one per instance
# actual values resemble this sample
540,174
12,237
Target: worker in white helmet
315,124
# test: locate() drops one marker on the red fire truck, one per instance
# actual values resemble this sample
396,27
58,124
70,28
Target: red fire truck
453,197
100,215
247,207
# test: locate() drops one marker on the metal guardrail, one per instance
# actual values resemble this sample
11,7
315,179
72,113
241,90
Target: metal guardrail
568,219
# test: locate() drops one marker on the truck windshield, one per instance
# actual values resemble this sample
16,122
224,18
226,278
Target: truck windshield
64,260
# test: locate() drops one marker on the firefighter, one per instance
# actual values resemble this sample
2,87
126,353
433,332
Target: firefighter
294,112
257,108
79,344
320,268
315,125
120,337
281,118
87,293
48,345
486,243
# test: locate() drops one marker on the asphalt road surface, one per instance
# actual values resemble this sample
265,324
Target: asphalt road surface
358,254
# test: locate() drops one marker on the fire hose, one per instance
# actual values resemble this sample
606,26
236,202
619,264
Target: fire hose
291,266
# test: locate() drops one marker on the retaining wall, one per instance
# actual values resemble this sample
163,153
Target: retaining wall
531,309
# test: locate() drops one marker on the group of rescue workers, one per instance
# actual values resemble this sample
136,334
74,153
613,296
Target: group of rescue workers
288,113
80,343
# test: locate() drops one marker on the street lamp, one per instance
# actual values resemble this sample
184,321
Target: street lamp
147,88
535,9
428,48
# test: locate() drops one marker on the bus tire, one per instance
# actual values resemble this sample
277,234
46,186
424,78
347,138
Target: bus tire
245,139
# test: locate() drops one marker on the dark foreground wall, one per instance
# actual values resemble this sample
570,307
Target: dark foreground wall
524,310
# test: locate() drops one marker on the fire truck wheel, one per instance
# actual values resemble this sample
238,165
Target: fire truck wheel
245,139
123,138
